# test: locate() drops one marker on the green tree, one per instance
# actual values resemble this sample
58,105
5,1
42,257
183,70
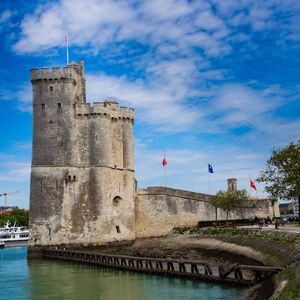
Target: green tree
282,173
229,200
18,216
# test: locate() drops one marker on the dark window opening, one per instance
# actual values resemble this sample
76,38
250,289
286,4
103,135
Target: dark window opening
118,229
74,178
51,88
43,106
69,177
51,122
116,201
59,106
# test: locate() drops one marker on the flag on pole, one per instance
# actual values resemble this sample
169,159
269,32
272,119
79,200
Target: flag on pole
252,185
210,169
164,162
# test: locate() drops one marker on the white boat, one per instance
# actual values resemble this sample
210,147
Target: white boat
13,234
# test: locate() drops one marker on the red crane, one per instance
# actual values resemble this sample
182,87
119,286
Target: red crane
5,196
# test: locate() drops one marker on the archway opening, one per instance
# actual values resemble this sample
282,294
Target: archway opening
116,201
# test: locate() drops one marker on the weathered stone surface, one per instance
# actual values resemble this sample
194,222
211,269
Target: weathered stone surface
160,209
82,156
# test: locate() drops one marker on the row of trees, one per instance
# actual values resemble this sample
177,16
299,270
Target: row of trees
281,176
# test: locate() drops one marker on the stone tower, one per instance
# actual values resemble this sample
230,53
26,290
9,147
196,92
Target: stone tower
82,177
232,184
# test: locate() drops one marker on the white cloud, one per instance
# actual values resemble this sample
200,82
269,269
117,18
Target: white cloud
13,168
5,16
162,107
22,94
97,23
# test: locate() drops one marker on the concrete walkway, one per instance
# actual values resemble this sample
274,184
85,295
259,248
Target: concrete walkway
291,228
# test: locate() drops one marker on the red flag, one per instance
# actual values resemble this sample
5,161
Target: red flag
252,184
164,162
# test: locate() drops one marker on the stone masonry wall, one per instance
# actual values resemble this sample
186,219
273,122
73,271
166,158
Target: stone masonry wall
159,210
82,178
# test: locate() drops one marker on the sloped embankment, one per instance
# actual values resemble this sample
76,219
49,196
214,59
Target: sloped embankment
231,246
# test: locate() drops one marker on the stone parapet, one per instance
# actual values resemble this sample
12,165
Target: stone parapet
161,190
54,73
105,109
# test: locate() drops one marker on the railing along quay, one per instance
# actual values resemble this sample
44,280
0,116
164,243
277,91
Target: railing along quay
245,275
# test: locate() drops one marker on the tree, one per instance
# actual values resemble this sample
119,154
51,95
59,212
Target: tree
20,216
229,200
282,173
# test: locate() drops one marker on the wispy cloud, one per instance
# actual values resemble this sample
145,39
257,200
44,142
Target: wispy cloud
14,168
157,105
21,94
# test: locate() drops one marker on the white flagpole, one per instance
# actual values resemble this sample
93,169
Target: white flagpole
165,169
250,191
67,47
209,185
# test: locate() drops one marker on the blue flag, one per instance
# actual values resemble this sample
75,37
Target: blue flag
210,169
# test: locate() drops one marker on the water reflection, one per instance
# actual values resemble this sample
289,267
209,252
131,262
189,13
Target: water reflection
49,279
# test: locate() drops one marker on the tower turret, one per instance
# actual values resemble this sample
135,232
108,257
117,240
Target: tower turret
55,93
232,184
82,179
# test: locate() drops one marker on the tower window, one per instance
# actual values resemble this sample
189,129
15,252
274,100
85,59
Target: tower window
59,106
43,106
116,201
51,88
118,229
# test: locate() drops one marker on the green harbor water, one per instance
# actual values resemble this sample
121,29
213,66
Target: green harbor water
49,279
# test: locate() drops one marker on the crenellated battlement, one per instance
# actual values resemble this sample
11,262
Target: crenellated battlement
72,71
106,109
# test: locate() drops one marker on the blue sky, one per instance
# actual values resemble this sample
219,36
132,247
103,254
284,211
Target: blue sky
213,81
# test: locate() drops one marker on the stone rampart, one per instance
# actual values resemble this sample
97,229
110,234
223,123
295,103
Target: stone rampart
159,209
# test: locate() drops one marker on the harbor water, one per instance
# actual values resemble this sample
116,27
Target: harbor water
50,279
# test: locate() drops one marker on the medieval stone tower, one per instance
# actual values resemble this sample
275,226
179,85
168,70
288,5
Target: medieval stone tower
82,178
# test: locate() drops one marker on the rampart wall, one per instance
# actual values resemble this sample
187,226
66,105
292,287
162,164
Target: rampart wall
159,209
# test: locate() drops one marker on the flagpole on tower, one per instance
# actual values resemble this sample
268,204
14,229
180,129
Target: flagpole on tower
67,47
